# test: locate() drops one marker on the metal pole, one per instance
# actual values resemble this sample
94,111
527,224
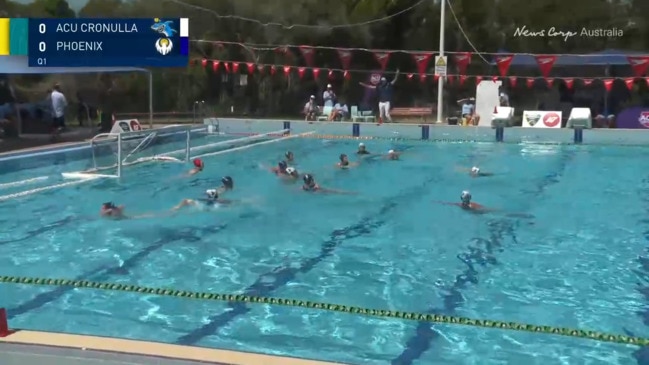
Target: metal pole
150,100
194,112
119,155
440,81
188,145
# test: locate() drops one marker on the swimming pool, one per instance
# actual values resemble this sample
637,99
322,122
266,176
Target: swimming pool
391,246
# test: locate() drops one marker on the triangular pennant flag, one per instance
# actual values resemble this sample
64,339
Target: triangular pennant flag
273,70
462,61
251,68
529,82
462,79
495,78
545,62
215,65
436,78
347,75
569,83
226,66
204,63
261,68
422,59
478,79
300,72
345,56
330,75
646,79
608,84
629,83
512,81
235,67
587,82
422,78
503,62
550,82
410,76
287,70
639,64
382,58
316,73
308,53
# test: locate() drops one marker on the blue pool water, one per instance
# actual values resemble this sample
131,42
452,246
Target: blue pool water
578,263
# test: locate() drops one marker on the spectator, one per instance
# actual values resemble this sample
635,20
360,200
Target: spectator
329,96
504,99
600,121
611,121
385,90
311,109
59,103
468,111
339,112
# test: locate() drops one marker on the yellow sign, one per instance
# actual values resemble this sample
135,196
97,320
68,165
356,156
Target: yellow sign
440,65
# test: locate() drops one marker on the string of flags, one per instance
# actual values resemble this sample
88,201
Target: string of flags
546,62
252,68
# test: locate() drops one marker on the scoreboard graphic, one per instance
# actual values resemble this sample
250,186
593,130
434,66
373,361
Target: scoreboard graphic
139,42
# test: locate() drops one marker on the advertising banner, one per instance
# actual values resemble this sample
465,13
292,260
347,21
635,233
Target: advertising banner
633,118
541,119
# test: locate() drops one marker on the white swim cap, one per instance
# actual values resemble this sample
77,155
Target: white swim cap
212,193
391,151
475,169
290,170
361,144
466,195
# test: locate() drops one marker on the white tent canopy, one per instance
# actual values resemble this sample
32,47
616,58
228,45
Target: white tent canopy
17,65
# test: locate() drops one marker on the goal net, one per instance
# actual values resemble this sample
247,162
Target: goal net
112,153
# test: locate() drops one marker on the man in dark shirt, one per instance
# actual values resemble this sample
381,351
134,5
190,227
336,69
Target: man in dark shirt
384,90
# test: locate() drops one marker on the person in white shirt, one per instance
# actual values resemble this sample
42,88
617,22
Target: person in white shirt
329,96
311,109
59,103
339,112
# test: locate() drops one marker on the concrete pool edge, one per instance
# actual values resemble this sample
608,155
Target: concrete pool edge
149,349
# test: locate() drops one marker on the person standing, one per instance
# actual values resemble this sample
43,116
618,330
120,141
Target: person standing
329,96
59,103
385,91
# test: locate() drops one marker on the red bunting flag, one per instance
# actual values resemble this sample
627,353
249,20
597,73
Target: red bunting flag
300,72
608,84
316,73
587,82
251,68
261,68
503,63
629,83
462,61
235,67
512,81
287,70
639,64
550,82
345,56
569,83
347,75
495,78
462,79
545,62
529,82
309,54
215,65
273,70
204,62
382,58
331,75
422,78
410,76
422,60
478,79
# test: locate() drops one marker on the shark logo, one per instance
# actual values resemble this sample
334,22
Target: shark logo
163,28
532,119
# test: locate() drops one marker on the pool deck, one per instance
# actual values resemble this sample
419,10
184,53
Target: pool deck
36,348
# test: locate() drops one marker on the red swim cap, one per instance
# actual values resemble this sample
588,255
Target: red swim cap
198,162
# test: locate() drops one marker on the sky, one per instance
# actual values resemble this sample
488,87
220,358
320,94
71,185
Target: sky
76,5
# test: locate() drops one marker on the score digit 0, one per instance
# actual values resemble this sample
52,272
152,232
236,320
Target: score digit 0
41,46
41,28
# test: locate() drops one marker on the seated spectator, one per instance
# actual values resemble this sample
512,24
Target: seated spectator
339,112
611,121
311,110
600,121
468,112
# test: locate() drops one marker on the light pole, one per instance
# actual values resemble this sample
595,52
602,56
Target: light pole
440,81
199,105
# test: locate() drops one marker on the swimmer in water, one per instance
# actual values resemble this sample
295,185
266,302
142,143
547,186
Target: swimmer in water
292,174
312,186
112,211
392,155
198,166
475,172
466,204
362,150
212,201
280,169
344,162
290,157
226,184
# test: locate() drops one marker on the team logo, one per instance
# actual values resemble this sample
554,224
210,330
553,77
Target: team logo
644,119
163,28
532,119
551,120
164,46
124,126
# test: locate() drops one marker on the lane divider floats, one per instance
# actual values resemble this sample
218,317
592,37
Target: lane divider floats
286,137
396,139
46,188
238,298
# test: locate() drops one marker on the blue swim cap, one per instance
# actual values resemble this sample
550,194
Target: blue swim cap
282,165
